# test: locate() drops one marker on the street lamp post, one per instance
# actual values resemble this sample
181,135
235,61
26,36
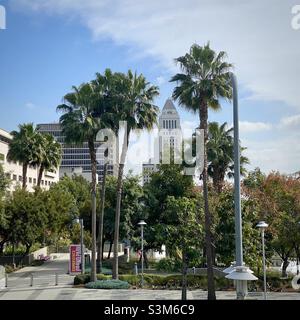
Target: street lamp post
262,226
142,223
239,273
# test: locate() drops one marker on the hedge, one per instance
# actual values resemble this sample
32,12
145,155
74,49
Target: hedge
155,281
108,284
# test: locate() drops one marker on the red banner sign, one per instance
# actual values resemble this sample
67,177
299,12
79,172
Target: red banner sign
75,258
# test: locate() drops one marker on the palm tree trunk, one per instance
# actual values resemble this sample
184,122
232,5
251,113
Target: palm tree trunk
41,171
118,205
94,183
24,177
101,217
184,276
110,248
203,113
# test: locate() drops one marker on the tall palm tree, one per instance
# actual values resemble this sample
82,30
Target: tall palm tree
81,122
135,106
24,148
220,147
105,87
205,78
50,156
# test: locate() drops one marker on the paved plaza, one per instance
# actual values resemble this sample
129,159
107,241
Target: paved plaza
69,293
44,287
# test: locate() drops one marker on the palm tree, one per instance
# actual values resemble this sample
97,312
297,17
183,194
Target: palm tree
205,79
24,148
135,106
81,122
105,87
50,157
220,147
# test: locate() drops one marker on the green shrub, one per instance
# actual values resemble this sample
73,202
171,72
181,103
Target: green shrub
20,249
108,284
169,265
275,282
81,279
85,278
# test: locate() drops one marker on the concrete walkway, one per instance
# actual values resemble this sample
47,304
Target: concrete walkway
44,287
44,275
69,293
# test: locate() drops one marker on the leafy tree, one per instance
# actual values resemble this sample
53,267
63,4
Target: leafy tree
278,202
4,225
183,231
27,218
132,194
75,236
169,180
281,206
225,229
61,210
4,181
205,79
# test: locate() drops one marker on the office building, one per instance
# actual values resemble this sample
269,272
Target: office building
76,158
13,170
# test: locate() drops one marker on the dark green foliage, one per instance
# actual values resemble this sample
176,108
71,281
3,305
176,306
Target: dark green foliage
108,284
169,265
4,182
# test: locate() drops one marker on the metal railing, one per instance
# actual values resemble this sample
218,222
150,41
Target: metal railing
37,280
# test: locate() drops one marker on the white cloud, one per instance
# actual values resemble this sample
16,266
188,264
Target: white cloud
249,127
30,106
280,154
290,122
161,80
257,35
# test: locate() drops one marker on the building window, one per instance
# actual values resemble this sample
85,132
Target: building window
7,175
30,180
15,177
46,182
42,182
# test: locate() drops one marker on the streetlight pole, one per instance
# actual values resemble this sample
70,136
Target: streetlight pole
262,226
237,181
239,273
142,223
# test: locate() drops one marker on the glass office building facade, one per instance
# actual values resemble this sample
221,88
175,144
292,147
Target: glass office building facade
77,156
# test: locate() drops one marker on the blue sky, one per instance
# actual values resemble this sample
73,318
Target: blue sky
48,46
